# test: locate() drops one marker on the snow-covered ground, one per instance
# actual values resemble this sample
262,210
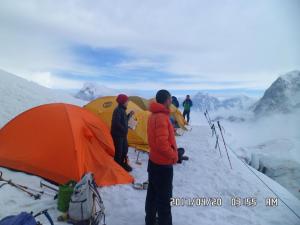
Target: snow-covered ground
18,95
204,175
270,144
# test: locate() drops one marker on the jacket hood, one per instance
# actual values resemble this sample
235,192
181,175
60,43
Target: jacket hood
158,108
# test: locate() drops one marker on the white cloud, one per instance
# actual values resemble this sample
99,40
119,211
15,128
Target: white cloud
250,41
51,81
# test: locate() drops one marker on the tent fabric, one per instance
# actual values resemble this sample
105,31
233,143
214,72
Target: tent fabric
141,102
176,114
61,142
103,107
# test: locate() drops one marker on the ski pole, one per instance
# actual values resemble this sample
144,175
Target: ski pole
45,212
208,117
213,130
35,196
137,159
224,143
205,114
35,190
47,186
217,144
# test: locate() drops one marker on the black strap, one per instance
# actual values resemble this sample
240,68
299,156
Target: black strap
45,212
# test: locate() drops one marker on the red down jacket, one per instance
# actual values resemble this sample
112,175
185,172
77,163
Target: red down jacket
161,137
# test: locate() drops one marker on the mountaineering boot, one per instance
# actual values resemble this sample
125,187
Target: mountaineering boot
127,167
184,157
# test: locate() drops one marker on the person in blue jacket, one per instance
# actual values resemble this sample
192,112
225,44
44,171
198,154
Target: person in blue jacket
187,104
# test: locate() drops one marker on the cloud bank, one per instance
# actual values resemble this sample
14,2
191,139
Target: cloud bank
186,45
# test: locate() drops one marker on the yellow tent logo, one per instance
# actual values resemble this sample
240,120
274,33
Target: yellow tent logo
107,104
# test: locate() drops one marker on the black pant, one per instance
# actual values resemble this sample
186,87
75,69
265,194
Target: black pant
121,149
181,152
187,114
159,194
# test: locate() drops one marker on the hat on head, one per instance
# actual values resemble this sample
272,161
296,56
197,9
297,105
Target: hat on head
121,99
162,96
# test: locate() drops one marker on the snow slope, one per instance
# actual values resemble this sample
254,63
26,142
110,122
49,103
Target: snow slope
274,142
204,175
18,95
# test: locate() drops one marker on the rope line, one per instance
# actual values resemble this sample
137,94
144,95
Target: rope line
248,167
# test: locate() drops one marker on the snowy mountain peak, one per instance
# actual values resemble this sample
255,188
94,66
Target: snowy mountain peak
291,76
203,101
90,91
282,96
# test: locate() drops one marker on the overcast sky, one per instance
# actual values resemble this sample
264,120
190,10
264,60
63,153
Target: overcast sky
134,44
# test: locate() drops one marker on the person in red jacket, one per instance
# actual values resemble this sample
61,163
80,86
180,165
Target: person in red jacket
163,154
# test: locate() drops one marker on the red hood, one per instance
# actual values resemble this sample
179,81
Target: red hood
158,108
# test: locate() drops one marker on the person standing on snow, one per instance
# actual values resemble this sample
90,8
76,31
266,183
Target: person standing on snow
175,101
187,104
163,154
119,131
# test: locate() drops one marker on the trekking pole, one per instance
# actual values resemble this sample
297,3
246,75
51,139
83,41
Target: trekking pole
217,144
37,191
19,187
205,114
224,143
137,159
44,212
208,117
213,130
48,186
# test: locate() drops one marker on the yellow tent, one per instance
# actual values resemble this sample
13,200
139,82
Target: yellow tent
176,114
104,107
141,102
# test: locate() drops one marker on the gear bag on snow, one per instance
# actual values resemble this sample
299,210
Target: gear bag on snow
24,218
86,205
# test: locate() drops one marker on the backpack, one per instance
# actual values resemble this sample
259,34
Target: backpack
86,205
24,218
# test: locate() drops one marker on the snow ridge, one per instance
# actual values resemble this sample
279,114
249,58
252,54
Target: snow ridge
18,95
283,96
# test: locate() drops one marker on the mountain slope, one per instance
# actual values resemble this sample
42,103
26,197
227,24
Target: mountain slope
18,95
203,101
283,96
91,91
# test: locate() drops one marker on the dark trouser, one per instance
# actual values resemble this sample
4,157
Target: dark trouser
180,154
121,149
187,114
159,194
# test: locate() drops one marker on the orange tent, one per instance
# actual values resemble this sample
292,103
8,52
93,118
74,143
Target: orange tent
60,142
